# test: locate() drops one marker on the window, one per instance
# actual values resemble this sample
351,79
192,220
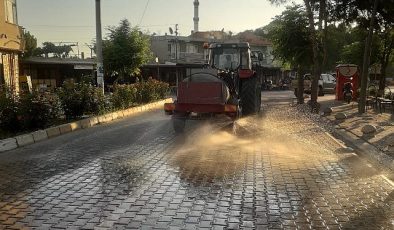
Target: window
10,12
182,47
169,47
245,59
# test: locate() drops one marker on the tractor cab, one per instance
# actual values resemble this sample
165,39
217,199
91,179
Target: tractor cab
230,57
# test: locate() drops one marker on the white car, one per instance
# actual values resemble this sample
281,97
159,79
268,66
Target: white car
327,84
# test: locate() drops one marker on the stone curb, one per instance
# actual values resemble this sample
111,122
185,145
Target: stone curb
40,135
8,144
23,140
53,131
363,147
366,149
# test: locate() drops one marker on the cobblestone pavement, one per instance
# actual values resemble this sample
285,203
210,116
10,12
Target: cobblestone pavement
282,172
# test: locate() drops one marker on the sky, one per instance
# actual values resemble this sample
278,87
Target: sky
74,20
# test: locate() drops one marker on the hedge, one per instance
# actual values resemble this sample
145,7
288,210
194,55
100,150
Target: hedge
32,111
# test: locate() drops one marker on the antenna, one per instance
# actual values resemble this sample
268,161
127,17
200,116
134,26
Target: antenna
176,29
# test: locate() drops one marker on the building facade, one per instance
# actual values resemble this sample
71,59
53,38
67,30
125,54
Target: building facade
190,49
11,44
178,55
48,73
178,49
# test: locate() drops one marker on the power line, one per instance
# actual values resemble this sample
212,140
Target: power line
143,14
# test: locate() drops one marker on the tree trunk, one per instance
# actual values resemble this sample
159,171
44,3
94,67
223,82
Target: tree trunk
315,48
367,54
387,49
300,87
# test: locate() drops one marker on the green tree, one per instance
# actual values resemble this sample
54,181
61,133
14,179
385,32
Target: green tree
337,37
48,48
125,50
352,50
62,51
317,14
371,15
38,52
290,37
30,44
386,50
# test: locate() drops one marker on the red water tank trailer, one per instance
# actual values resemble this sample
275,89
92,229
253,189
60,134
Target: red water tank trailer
346,73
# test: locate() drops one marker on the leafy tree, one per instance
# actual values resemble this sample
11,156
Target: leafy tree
317,14
62,51
369,14
57,51
30,44
352,50
125,50
338,36
290,37
47,48
386,51
38,52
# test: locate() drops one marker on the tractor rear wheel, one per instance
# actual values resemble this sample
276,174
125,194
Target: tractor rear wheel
250,96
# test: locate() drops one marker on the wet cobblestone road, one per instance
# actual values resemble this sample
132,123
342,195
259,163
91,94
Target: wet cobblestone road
282,173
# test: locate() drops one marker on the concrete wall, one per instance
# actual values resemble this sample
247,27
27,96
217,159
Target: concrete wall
11,44
10,34
159,47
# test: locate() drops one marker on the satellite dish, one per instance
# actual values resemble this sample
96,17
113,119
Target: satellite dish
171,31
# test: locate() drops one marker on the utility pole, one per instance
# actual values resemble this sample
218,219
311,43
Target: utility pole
99,45
91,49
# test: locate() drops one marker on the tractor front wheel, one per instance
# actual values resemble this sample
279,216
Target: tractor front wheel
250,96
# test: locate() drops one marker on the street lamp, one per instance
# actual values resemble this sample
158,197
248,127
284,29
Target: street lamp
99,48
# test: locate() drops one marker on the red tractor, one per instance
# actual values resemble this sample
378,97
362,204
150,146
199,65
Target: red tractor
228,85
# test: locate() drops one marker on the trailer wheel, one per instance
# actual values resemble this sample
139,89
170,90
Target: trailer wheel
250,96
178,124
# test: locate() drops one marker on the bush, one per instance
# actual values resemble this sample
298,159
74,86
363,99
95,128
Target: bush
29,111
124,96
37,110
78,99
151,90
96,101
8,112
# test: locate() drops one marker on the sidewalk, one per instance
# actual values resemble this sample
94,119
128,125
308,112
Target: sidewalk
380,146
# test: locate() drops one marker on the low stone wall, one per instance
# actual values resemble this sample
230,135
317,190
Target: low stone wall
40,135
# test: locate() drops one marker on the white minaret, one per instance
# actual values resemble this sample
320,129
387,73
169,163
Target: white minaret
196,18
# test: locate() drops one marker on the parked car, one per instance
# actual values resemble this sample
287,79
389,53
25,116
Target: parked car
327,84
